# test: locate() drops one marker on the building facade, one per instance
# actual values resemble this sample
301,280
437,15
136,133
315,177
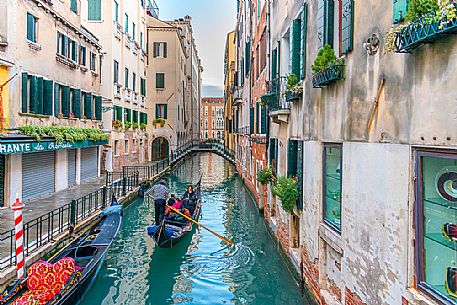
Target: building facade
212,114
174,73
369,138
50,84
121,28
229,89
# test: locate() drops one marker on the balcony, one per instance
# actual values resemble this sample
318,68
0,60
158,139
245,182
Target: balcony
237,95
292,96
135,98
143,101
117,30
327,76
128,41
117,91
424,31
242,131
127,95
276,99
136,48
142,55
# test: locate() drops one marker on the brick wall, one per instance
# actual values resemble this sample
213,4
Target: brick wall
283,235
311,275
334,290
352,298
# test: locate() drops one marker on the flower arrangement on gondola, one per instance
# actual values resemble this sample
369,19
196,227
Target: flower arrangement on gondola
286,189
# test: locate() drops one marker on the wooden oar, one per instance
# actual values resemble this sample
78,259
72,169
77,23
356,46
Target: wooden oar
203,226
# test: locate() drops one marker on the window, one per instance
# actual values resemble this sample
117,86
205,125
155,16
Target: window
116,11
295,47
347,26
436,216
160,80
134,82
62,44
133,30
303,41
82,56
74,6
332,185
37,95
143,87
116,148
161,111
126,78
94,10
116,72
93,61
134,146
127,148
143,118
126,25
74,51
141,40
325,22
160,50
31,28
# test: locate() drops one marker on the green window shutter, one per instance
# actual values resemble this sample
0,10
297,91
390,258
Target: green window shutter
135,116
295,47
165,112
98,108
40,96
300,174
143,87
292,155
251,120
257,125
31,24
74,6
160,80
25,93
399,10
274,64
157,111
143,119
76,103
272,150
88,105
118,113
66,101
48,89
33,107
248,57
263,127
347,26
94,10
56,99
303,41
129,115
325,22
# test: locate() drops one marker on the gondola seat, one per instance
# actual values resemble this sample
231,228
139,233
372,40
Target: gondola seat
46,280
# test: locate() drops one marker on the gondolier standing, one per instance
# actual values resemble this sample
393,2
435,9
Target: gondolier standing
160,194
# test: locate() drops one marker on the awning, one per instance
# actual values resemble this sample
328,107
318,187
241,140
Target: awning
30,145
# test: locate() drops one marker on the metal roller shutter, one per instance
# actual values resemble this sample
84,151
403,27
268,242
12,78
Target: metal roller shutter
38,174
71,167
89,163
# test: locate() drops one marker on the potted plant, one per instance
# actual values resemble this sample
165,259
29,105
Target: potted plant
127,125
159,121
286,189
135,126
294,88
72,115
265,176
327,67
117,124
143,126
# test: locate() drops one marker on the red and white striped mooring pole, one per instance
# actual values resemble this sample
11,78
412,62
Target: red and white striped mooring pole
19,230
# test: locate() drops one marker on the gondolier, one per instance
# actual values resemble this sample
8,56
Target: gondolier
160,194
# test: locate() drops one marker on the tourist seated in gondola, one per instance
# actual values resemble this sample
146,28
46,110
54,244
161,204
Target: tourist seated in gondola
190,199
171,200
177,205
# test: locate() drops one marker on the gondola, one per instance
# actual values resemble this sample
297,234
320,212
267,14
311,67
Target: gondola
63,279
172,231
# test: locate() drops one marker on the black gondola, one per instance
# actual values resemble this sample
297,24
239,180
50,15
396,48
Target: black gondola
171,231
84,257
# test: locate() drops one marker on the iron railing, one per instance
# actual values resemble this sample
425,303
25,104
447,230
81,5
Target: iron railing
146,171
423,31
276,96
44,229
292,96
110,177
327,76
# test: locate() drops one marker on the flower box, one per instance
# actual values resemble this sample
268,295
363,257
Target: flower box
328,75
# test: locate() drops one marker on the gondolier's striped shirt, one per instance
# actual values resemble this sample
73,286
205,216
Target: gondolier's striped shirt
159,191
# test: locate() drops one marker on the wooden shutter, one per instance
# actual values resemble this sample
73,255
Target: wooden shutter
303,41
263,129
165,51
143,87
33,97
157,111
295,47
300,174
76,103
165,111
129,115
399,10
95,10
251,120
325,22
292,158
25,93
118,113
48,89
66,101
56,99
74,6
40,96
98,108
135,116
31,27
88,105
258,119
274,64
248,57
347,29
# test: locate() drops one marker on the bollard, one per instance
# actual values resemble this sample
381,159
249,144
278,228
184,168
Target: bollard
19,231
72,216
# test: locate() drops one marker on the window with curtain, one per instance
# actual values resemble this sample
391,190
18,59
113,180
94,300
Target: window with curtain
161,111
31,28
333,185
160,50
94,10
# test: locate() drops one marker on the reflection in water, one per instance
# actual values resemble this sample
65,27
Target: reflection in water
201,269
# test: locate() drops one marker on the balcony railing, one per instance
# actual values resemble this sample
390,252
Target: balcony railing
327,76
117,91
276,97
292,96
423,31
143,101
237,94
135,98
127,95
136,48
117,30
128,41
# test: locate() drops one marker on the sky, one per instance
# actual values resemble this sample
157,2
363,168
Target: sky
211,21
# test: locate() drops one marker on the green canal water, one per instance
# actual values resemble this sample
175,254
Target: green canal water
201,269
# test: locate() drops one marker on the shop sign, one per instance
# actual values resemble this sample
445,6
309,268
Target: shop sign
21,147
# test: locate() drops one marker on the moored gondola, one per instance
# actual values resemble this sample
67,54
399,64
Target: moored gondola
174,229
65,278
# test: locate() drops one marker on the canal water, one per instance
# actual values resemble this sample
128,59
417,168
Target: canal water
201,269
